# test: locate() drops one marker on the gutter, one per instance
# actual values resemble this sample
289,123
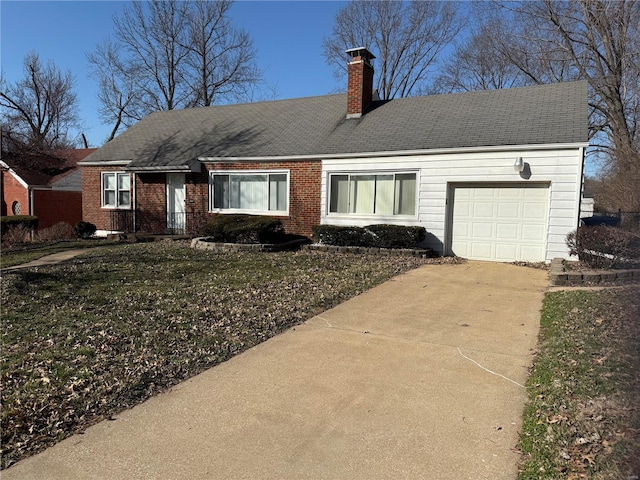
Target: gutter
399,153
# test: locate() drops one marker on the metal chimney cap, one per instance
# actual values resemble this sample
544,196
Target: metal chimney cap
360,52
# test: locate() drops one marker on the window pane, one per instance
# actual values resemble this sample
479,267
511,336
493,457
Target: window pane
384,195
123,181
123,199
249,192
362,190
339,202
278,192
109,198
221,191
109,181
405,194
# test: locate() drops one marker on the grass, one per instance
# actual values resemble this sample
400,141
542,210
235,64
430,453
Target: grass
583,415
9,258
83,340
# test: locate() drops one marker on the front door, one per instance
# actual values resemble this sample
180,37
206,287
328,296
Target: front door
176,212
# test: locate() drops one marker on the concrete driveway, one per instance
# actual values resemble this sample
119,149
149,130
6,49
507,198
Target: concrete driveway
421,377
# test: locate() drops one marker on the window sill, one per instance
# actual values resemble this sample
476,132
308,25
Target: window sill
229,211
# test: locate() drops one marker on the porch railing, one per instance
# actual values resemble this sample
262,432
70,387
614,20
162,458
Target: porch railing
138,221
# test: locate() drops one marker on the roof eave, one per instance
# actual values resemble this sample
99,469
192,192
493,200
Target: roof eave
192,167
397,153
104,163
14,174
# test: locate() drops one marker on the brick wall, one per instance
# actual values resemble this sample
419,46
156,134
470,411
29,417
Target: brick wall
304,196
14,191
304,190
53,206
151,202
92,210
359,87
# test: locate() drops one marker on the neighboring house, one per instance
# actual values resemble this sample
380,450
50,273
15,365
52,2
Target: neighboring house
48,186
491,175
587,207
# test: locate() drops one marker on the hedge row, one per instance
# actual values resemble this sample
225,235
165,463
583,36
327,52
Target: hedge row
380,236
604,246
29,222
260,229
243,229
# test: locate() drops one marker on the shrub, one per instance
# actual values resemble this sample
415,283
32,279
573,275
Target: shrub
604,246
17,234
396,236
57,232
243,229
339,235
84,229
29,222
381,236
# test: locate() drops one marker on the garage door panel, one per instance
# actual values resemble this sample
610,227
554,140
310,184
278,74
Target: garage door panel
480,250
534,211
508,209
533,233
500,222
483,209
505,252
462,230
540,193
507,231
482,230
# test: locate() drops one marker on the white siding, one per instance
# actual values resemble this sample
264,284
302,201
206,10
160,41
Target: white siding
561,169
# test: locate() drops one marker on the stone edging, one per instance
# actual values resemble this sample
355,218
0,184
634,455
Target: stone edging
558,276
392,252
201,244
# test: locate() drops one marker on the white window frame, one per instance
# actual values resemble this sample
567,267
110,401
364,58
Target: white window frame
349,174
117,191
231,173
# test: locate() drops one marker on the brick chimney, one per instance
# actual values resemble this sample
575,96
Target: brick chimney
360,85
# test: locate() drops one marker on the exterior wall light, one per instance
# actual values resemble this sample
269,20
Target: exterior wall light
519,165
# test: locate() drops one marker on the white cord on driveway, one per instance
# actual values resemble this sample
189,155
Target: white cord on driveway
487,370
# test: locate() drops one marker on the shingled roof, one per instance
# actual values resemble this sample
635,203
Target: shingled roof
318,127
56,169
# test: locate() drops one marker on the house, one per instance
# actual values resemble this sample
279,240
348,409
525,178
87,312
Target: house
491,175
48,186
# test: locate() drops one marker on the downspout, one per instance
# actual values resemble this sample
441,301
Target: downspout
581,191
135,203
32,208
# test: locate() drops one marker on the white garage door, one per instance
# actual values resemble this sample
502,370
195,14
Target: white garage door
499,222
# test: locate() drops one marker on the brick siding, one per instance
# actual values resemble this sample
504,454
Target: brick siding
14,191
359,87
151,201
304,191
92,210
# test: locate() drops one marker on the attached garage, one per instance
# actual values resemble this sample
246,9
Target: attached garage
499,222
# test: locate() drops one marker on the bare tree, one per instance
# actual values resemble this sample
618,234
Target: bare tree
407,39
548,41
152,36
171,54
598,41
40,110
478,64
220,58
119,99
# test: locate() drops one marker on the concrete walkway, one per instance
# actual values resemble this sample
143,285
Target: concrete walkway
421,377
49,259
